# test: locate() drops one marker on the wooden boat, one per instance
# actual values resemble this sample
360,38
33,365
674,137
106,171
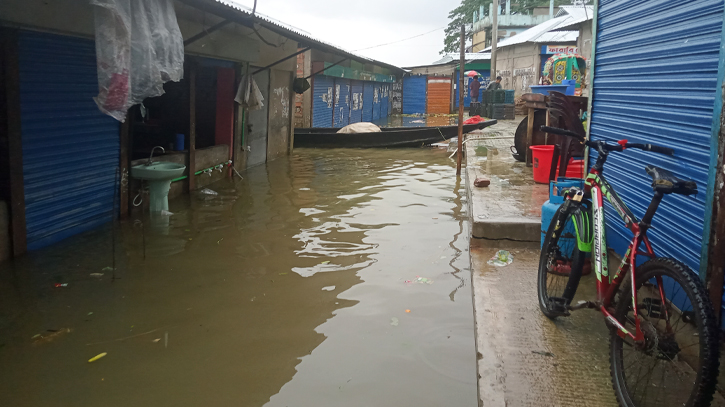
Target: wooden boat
388,137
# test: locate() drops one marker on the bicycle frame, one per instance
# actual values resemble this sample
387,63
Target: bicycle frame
608,285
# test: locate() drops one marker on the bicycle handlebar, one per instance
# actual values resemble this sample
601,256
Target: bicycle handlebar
608,147
562,132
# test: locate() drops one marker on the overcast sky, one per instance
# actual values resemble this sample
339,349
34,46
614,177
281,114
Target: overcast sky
353,25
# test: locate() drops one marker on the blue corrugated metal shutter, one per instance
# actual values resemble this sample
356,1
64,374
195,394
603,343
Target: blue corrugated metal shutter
356,102
655,81
70,149
367,108
376,101
385,101
322,100
414,94
342,102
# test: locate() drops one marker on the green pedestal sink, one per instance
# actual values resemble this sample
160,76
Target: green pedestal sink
159,176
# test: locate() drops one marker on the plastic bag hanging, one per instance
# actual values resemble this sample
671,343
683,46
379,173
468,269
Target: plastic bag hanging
248,94
138,47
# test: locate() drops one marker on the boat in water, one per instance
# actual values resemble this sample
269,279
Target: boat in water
389,137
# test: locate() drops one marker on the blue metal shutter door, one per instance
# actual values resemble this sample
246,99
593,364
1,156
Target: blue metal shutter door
414,94
70,148
356,89
322,100
649,88
367,112
384,107
376,101
342,102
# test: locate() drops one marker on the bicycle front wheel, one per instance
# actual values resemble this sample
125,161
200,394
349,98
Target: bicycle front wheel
560,265
677,363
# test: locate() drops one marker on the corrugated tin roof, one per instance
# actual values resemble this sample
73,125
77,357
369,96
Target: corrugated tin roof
558,36
245,13
455,58
549,31
579,14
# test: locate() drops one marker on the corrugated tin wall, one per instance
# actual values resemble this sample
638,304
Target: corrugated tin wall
414,94
385,100
439,95
322,101
655,81
376,101
356,102
367,108
70,149
342,102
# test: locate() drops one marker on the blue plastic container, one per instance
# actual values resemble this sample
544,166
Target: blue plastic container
549,208
545,89
571,87
179,144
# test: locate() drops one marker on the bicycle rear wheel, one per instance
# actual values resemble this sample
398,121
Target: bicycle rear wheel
560,265
677,363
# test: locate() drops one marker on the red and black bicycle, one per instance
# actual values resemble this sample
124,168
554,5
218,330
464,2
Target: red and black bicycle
664,337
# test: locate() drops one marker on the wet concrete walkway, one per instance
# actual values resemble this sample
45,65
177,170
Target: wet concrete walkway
298,286
525,359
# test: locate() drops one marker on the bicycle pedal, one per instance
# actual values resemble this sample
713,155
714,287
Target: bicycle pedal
558,306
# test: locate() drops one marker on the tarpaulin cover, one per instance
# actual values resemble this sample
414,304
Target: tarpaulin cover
139,47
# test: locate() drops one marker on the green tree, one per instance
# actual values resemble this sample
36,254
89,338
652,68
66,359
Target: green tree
463,14
459,16
525,6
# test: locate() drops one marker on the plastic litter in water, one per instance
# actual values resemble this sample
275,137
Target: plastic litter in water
394,321
325,262
501,258
328,288
166,213
59,285
107,269
408,311
207,191
95,358
96,274
419,280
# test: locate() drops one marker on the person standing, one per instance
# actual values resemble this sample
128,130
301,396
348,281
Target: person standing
473,88
495,85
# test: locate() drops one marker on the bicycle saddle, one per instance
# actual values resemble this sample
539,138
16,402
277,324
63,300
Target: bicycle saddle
666,182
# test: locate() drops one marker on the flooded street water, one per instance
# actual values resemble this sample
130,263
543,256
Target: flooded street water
327,278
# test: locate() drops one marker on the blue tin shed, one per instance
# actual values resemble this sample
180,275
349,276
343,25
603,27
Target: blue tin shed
657,73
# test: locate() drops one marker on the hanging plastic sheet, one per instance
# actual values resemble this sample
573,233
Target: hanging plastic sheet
138,47
248,94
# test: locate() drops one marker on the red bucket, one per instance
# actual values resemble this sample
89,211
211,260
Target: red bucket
541,157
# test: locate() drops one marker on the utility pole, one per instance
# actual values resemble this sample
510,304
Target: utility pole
461,70
494,39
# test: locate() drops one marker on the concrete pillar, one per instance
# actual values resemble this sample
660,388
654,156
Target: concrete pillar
551,9
481,12
475,16
508,7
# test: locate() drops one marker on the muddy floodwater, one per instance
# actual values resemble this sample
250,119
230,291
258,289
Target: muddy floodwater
327,278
